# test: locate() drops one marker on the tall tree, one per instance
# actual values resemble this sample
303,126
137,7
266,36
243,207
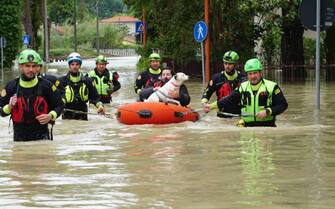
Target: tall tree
292,51
232,28
10,28
32,20
60,10
330,53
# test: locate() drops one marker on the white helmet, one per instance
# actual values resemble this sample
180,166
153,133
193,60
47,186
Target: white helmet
74,57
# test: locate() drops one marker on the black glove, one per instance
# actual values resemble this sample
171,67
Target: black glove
115,76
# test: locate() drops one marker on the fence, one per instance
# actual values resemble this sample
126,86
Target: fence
119,52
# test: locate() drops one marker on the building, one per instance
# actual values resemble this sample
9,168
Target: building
127,21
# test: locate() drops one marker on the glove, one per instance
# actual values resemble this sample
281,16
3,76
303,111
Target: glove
115,76
110,90
240,123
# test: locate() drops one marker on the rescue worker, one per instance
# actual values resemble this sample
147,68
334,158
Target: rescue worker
182,96
53,79
32,101
225,82
147,78
261,100
105,82
78,90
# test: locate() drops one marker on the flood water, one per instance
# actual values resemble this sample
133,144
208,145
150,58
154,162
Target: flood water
207,164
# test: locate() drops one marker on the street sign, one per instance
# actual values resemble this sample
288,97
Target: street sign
307,14
26,39
3,42
200,31
139,27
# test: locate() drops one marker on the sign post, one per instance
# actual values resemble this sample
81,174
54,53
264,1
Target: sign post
26,40
139,29
200,32
3,43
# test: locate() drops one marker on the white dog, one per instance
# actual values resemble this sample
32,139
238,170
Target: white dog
173,85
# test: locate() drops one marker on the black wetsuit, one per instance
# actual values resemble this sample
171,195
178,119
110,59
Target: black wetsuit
30,104
76,105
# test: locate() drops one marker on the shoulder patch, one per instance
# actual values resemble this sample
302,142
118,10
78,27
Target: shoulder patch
211,83
54,88
3,92
277,91
139,77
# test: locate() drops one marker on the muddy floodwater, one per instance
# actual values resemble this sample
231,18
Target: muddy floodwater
211,163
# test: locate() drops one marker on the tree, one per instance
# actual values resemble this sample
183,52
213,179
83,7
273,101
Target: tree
107,8
292,51
232,28
10,28
32,10
330,53
60,10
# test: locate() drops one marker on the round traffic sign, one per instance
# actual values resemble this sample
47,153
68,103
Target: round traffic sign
200,31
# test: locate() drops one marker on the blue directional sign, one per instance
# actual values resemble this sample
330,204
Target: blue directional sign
139,27
3,42
26,39
200,31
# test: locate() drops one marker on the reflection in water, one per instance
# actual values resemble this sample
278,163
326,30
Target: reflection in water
257,166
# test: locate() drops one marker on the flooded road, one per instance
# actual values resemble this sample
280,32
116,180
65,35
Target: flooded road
207,164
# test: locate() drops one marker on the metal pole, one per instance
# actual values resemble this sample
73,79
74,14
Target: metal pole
203,62
75,25
46,36
207,41
317,55
98,47
144,20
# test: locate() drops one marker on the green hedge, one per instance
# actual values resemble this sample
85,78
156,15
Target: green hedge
10,28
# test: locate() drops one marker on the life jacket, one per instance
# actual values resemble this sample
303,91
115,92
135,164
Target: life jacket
102,83
152,78
159,83
76,92
227,85
151,82
28,107
224,90
252,104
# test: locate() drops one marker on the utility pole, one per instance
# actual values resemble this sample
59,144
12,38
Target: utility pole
144,20
317,56
46,33
75,25
97,41
207,42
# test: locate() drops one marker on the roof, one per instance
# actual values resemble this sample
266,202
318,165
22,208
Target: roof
120,19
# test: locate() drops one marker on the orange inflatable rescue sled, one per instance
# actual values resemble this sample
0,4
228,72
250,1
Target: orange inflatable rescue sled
154,113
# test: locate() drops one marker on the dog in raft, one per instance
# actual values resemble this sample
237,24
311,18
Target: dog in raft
173,85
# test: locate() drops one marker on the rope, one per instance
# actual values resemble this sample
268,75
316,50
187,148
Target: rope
107,115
